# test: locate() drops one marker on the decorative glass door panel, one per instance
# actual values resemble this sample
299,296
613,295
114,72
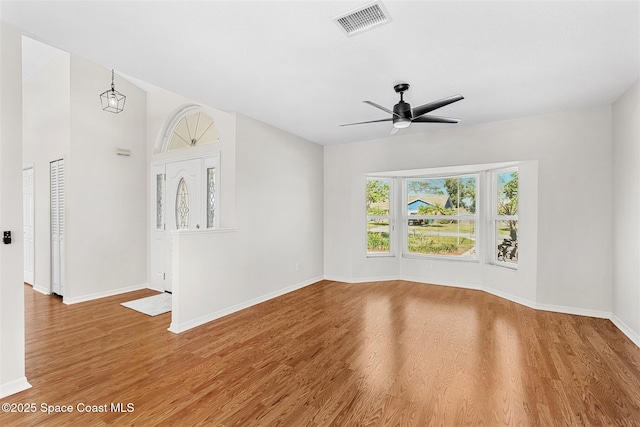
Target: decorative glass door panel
182,206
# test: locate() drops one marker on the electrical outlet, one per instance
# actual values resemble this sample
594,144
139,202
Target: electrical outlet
297,266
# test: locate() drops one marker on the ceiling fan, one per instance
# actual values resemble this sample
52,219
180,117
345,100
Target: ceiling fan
403,115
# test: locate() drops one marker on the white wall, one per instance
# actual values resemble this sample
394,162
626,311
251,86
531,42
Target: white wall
571,264
106,193
46,137
106,203
12,350
277,246
626,213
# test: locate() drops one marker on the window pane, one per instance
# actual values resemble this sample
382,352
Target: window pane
211,197
507,241
378,236
378,192
441,196
159,201
508,193
442,237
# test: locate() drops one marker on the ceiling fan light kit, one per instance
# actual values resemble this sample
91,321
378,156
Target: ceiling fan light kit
403,115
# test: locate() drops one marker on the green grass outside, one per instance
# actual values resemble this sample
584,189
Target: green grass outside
438,245
377,242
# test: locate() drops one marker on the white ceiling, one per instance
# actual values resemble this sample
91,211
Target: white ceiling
289,65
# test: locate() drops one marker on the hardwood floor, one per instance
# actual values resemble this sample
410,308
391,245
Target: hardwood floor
380,354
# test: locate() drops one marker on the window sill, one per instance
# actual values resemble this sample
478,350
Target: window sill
440,258
205,230
505,265
380,255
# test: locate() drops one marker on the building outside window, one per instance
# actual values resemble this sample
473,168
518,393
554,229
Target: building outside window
441,216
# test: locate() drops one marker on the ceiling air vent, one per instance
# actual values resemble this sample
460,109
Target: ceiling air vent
363,18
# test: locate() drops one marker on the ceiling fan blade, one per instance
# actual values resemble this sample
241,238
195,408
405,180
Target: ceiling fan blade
424,109
386,110
435,119
372,121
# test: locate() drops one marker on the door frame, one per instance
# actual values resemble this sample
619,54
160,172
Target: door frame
29,247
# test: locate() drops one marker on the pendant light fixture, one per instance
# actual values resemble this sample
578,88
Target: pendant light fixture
111,99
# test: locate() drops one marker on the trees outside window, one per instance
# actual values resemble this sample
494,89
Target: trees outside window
379,215
505,220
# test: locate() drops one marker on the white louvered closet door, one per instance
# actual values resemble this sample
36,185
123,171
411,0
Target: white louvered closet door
57,226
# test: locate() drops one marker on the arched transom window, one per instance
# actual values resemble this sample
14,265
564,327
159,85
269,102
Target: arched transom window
194,129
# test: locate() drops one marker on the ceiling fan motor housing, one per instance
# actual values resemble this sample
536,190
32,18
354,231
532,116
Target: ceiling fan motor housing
402,114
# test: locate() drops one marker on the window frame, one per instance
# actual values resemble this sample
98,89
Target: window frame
475,217
390,217
495,217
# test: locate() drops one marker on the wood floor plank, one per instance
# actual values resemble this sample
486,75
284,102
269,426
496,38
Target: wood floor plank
367,354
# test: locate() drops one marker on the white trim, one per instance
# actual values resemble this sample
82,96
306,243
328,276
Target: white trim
32,219
380,255
13,387
41,289
178,328
360,279
625,329
445,258
512,298
105,294
437,283
574,310
204,231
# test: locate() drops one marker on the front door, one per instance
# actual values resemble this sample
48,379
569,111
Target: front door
183,207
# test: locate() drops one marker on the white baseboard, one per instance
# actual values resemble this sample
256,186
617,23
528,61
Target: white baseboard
574,310
13,387
630,333
41,289
510,297
437,283
184,326
360,279
104,294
